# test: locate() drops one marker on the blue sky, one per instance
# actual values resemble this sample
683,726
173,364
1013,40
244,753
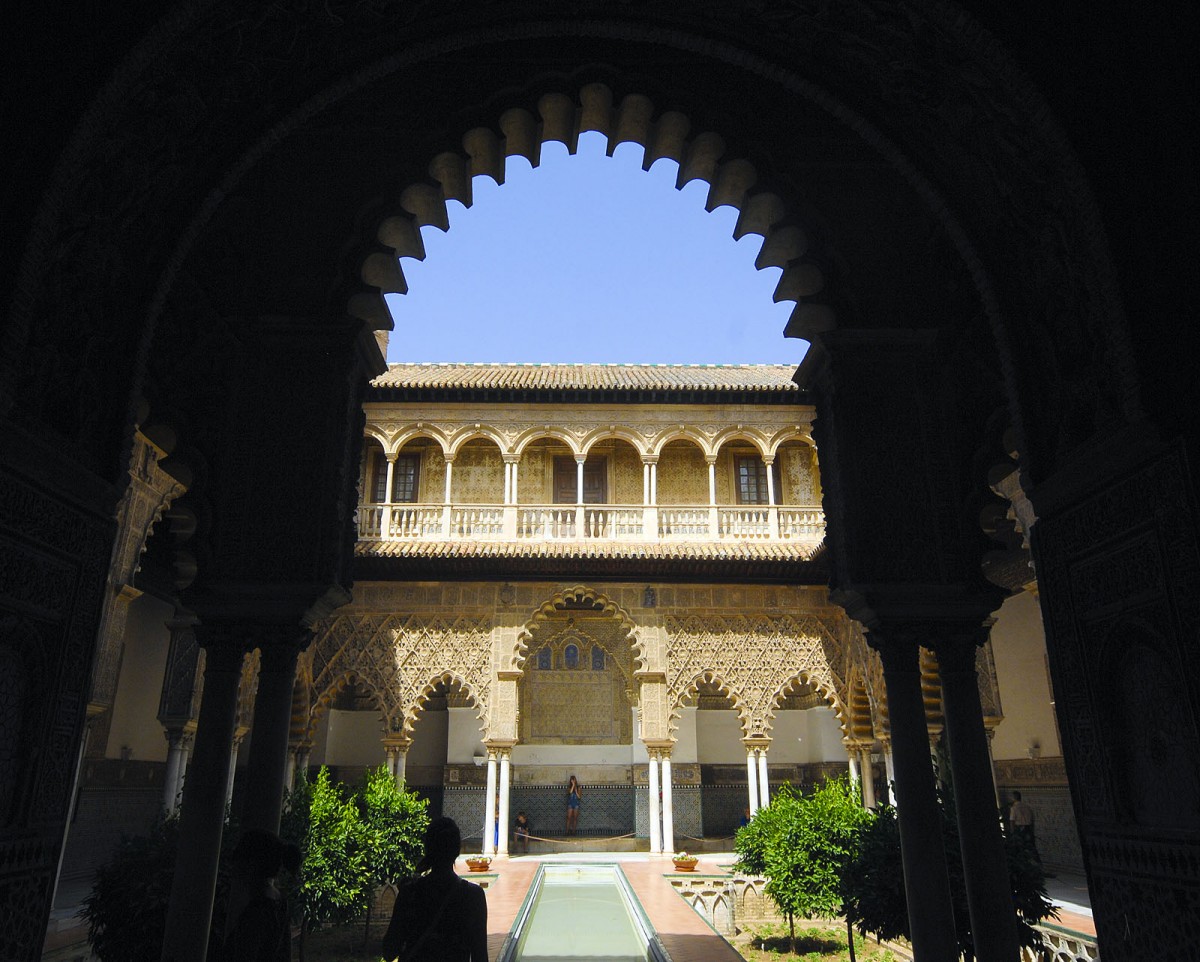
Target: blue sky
589,258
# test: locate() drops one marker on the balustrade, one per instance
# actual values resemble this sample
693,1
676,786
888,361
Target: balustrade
591,522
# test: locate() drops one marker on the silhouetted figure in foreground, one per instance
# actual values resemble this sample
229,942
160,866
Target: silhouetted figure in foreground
438,915
257,926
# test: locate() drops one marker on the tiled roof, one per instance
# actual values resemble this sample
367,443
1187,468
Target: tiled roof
592,377
734,551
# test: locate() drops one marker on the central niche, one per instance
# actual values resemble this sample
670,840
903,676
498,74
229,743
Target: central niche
577,682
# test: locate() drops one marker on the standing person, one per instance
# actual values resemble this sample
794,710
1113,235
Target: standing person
572,805
257,924
521,832
1020,818
438,915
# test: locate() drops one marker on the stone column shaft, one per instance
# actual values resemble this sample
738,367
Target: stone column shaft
489,807
985,868
752,780
401,766
868,779
764,794
505,775
174,771
854,774
930,913
668,808
189,911
889,768
655,823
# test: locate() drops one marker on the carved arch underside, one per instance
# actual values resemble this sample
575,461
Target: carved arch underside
701,155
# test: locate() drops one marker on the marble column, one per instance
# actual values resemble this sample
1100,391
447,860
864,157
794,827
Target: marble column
854,775
752,780
985,868
505,775
868,779
174,773
489,806
764,795
389,755
289,773
303,753
401,773
233,758
655,816
272,724
889,768
668,808
202,817
922,847
385,515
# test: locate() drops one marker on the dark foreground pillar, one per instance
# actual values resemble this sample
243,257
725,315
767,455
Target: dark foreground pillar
926,882
989,892
272,722
189,912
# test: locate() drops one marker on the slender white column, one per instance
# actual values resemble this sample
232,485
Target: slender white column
515,469
868,774
668,809
385,516
770,480
655,827
654,482
579,459
489,807
890,767
449,477
853,765
752,780
401,765
712,481
645,483
233,754
289,771
171,779
764,795
507,483
390,754
504,786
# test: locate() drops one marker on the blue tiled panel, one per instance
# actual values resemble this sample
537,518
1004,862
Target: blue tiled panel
722,807
605,809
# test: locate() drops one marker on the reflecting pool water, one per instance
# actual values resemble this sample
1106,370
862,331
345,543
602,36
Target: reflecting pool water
581,912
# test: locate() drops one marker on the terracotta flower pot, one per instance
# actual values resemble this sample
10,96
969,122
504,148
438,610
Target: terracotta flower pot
685,864
478,864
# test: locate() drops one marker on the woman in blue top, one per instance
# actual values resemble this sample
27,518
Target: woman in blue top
572,805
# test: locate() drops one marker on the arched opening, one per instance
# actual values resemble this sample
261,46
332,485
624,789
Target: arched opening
346,730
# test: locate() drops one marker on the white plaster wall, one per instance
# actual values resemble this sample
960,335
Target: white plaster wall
320,741
719,738
355,738
685,737
429,739
139,686
822,736
1019,647
464,735
791,739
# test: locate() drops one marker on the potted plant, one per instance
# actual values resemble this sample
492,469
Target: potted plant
478,863
684,862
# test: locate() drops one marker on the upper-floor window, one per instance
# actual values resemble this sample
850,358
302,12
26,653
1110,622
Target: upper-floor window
566,480
406,479
543,659
751,472
571,657
597,658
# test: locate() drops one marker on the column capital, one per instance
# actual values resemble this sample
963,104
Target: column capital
449,456
391,456
710,459
649,459
511,458
757,743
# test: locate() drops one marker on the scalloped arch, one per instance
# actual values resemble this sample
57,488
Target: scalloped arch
713,677
322,702
732,183
805,677
447,677
577,593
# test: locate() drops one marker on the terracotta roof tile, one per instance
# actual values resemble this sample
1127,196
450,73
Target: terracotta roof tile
581,377
682,551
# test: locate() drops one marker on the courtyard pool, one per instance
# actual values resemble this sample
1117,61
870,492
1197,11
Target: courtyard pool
581,912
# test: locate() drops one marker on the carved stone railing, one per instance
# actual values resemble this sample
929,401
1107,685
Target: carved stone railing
1063,945
590,522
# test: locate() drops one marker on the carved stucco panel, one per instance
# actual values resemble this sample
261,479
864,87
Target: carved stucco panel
399,659
755,658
